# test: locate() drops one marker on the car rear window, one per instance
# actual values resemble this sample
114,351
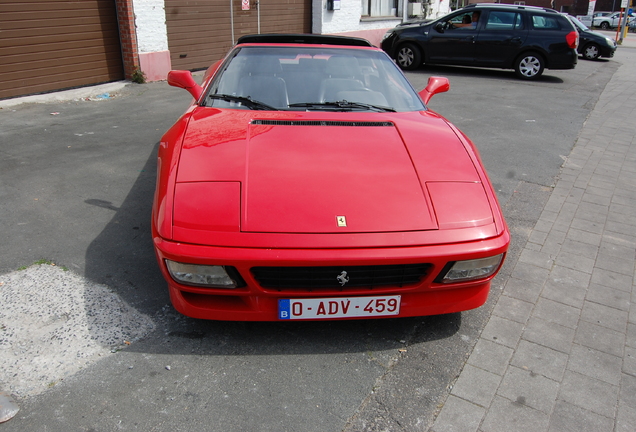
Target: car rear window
499,20
543,22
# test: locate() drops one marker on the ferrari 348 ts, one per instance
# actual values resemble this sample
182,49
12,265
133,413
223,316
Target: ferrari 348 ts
308,180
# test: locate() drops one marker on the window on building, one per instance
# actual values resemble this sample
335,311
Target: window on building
379,8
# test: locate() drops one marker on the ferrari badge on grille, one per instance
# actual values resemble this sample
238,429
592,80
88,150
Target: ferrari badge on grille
343,278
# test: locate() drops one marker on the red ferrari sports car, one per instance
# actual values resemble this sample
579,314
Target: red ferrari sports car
308,180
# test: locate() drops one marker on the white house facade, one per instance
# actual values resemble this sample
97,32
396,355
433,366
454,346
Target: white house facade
371,18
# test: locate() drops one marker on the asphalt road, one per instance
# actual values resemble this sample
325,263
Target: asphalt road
76,183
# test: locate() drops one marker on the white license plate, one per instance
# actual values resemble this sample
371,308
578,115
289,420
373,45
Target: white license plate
338,307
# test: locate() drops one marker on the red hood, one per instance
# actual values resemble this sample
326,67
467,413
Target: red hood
301,172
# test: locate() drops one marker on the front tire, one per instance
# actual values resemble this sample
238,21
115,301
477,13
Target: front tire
408,57
591,51
529,66
605,25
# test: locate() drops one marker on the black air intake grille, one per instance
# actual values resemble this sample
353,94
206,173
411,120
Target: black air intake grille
321,123
326,278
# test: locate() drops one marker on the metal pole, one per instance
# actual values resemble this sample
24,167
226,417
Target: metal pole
232,19
622,25
625,5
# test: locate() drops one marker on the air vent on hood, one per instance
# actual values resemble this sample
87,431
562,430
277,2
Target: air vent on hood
320,123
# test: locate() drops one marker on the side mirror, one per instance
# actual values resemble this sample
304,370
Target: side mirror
183,79
439,27
435,85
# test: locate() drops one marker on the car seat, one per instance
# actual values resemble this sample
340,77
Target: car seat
263,83
343,74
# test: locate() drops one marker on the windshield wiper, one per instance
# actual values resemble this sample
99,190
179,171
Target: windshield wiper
341,105
247,101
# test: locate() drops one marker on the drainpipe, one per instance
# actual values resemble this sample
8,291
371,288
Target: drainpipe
232,19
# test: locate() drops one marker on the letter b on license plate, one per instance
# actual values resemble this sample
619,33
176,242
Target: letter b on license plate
338,307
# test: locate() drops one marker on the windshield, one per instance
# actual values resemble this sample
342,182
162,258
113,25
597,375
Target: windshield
311,78
579,24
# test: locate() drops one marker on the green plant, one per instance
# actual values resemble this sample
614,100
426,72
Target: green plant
138,76
42,262
38,262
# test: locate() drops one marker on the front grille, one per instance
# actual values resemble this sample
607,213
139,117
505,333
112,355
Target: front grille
330,278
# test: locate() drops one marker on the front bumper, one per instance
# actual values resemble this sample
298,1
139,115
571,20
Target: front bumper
253,302
388,44
607,52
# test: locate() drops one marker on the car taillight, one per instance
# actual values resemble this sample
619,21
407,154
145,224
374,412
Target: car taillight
573,39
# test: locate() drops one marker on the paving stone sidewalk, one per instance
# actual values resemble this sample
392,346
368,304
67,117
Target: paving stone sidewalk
559,351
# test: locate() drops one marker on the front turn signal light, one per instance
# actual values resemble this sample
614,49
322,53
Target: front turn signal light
462,271
213,276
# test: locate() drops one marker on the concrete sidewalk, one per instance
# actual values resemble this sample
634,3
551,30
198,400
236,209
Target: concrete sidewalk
559,351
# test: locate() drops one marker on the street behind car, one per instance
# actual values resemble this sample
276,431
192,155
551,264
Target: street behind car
93,166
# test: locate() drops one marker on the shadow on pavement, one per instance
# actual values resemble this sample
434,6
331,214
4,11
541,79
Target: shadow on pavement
484,73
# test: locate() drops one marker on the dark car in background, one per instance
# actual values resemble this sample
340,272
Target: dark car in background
593,45
524,38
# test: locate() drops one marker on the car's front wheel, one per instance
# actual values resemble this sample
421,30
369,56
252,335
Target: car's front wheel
591,51
408,57
604,25
529,66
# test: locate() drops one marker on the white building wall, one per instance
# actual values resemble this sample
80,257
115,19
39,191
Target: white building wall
440,8
348,20
150,20
152,38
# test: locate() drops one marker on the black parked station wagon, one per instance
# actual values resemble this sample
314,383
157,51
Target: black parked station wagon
524,38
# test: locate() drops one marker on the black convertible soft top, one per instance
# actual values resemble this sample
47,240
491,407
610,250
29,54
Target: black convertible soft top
304,39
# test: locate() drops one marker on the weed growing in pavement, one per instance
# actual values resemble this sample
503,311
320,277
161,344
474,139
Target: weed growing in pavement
42,262
138,77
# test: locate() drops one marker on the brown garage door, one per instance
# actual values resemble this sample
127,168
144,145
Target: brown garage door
50,45
200,32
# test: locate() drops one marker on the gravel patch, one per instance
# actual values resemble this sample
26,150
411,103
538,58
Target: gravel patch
54,323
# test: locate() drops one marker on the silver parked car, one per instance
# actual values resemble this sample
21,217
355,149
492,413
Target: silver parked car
607,21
